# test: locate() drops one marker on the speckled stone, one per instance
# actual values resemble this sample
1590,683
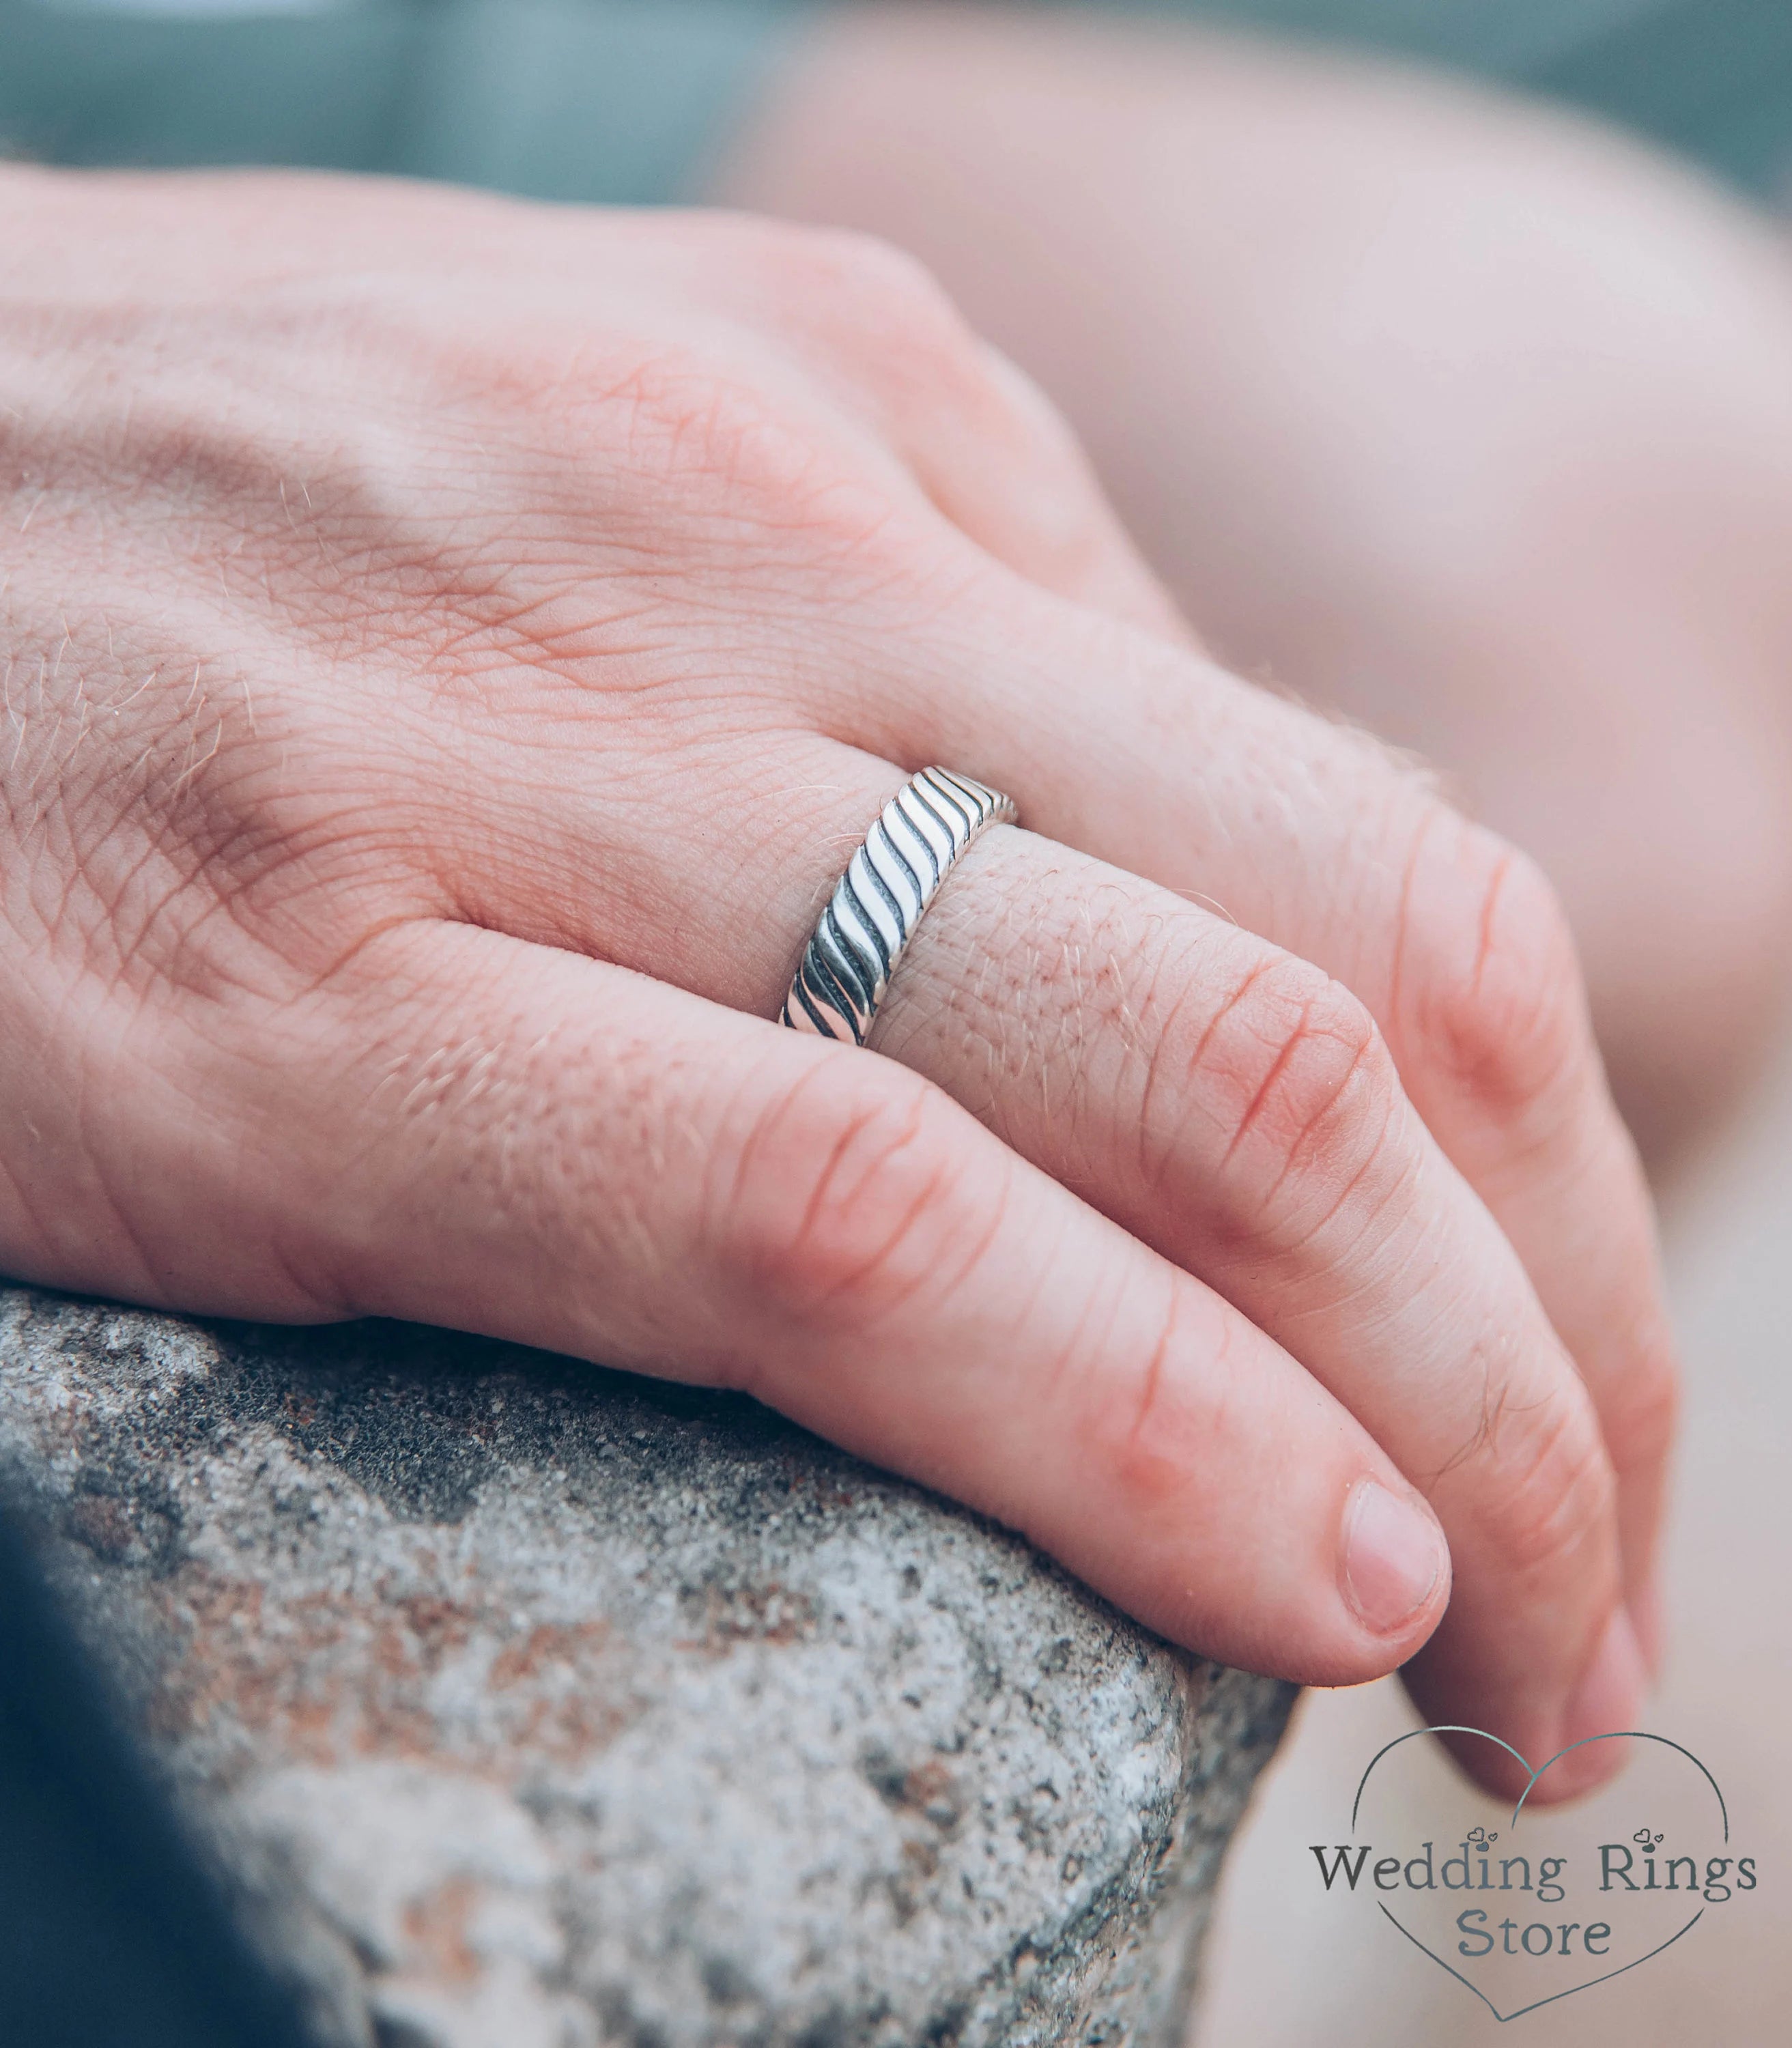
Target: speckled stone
527,1705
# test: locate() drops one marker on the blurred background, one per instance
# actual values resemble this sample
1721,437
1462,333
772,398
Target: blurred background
515,92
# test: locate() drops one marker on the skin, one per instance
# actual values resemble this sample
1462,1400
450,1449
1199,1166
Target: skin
450,648
1457,416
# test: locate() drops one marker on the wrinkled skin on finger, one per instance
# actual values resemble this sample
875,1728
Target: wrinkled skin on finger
450,648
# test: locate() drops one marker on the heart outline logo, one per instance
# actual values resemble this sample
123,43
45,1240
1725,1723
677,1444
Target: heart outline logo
1534,1774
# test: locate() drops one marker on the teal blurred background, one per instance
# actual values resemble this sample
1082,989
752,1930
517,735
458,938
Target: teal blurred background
624,100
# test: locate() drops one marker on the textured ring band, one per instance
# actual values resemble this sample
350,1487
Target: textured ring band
893,876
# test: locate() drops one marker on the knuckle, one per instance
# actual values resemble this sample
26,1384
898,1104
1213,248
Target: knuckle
842,1204
1557,1496
884,312
1643,1414
1296,1080
1158,1425
864,279
1502,1009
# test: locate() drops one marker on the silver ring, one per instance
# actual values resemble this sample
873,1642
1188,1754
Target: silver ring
877,903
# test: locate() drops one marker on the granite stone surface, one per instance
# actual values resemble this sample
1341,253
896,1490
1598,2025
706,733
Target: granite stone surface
529,1705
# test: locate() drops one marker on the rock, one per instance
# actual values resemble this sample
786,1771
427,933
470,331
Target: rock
527,1705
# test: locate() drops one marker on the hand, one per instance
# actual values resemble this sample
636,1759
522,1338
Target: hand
451,649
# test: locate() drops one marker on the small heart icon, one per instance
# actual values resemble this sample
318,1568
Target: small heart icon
1642,1891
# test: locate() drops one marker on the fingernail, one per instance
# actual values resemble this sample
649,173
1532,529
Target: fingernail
1393,1557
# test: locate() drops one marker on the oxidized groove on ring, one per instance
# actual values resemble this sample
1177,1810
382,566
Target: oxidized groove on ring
876,905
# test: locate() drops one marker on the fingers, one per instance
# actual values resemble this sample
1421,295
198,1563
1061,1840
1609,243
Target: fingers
1224,1102
1232,1106
510,1139
1491,1013
1238,1109
1316,838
